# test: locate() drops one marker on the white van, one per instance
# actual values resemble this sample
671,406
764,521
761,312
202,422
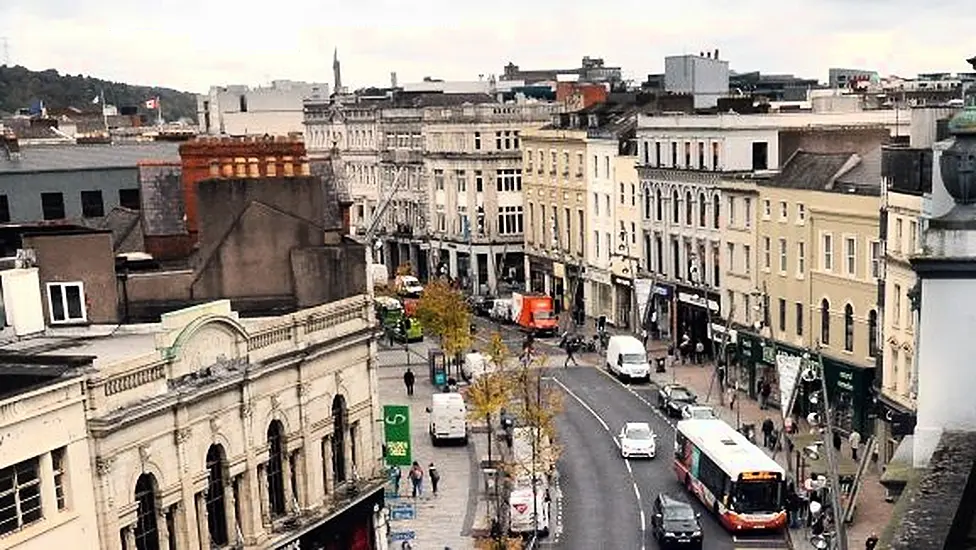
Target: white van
475,365
448,418
626,357
521,511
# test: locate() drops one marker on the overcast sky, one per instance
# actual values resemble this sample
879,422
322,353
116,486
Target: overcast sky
192,44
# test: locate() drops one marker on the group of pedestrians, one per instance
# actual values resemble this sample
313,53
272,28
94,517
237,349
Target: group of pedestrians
416,476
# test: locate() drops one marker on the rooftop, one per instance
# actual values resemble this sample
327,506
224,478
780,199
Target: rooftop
59,158
20,375
107,344
832,172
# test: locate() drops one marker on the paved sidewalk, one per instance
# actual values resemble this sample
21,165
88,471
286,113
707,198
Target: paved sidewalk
872,512
443,520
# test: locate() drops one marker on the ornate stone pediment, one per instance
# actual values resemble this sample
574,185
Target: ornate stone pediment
208,343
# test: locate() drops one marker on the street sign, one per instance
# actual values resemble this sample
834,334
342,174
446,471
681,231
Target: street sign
402,511
396,433
398,536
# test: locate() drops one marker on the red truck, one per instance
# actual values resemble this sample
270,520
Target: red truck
534,313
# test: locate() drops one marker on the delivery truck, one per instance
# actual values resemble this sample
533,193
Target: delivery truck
534,313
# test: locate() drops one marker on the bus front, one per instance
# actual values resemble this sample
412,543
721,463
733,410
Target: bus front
756,502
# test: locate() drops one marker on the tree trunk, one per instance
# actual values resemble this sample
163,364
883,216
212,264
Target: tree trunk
490,438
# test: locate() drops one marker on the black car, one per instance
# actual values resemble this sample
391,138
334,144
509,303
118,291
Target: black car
672,398
674,524
481,305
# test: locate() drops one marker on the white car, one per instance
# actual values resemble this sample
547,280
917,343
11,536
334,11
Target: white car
637,439
698,412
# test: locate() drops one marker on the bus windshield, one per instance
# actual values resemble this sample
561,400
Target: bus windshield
758,496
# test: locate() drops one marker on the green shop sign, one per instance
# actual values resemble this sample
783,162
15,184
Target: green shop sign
396,435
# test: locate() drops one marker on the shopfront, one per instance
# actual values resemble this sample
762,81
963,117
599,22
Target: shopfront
599,293
692,307
352,529
540,274
894,422
623,289
660,312
848,385
728,337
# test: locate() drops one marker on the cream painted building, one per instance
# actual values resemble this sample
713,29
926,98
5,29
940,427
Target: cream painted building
819,260
207,430
473,163
555,195
626,263
46,495
741,293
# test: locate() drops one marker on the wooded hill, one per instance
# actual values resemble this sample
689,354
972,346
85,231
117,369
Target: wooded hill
21,87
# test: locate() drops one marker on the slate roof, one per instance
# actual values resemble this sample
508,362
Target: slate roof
810,171
867,172
56,158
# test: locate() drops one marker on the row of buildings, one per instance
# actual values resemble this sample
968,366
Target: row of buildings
154,392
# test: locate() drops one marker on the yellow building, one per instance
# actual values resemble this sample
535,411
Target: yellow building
819,258
554,183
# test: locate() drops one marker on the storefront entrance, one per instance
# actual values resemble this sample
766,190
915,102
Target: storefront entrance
352,529
693,316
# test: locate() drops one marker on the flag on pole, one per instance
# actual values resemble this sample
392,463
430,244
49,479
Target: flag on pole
152,103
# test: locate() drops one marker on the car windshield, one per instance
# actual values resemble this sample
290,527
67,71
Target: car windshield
679,513
702,413
542,315
758,496
681,394
639,433
634,358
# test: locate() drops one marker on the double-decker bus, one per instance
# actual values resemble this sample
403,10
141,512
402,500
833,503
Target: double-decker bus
738,481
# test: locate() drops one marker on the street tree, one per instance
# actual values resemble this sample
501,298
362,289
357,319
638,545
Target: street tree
404,269
444,312
491,390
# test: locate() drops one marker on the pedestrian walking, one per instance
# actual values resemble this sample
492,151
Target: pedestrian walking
395,475
855,442
684,348
434,477
390,337
871,542
837,440
765,390
417,479
644,337
408,381
699,352
571,353
767,429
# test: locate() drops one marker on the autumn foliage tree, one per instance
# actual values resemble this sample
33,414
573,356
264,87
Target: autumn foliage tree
444,313
490,392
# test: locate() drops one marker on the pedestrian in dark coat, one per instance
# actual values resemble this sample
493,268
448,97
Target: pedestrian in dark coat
434,476
767,429
408,381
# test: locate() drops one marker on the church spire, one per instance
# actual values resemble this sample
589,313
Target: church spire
336,71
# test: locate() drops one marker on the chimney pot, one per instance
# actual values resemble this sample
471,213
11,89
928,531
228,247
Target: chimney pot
288,170
227,168
305,168
240,167
716,53
214,168
272,170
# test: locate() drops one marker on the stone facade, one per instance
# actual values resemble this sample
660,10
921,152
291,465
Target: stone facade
229,432
45,461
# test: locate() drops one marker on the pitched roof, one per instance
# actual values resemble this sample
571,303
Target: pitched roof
55,158
812,171
867,172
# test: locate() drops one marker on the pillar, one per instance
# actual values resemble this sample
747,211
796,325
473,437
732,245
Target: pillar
162,528
250,500
129,536
203,529
49,501
328,484
230,510
492,273
259,480
452,264
473,273
286,465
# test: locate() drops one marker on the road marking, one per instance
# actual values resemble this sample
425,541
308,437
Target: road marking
630,471
639,397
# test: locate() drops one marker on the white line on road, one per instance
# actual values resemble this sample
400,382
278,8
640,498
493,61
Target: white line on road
630,471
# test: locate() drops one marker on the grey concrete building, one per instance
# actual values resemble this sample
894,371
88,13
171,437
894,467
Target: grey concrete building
73,181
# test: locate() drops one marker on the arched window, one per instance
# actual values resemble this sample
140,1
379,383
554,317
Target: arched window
702,210
659,215
716,211
849,327
146,532
873,333
674,207
339,439
689,208
216,510
825,322
275,469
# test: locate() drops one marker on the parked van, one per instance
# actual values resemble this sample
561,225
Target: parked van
448,418
475,365
627,358
501,310
522,509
